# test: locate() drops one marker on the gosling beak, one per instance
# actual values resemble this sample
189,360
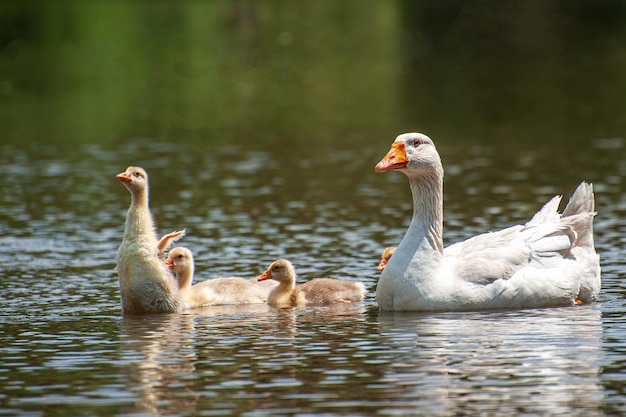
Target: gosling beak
382,264
265,276
124,177
169,262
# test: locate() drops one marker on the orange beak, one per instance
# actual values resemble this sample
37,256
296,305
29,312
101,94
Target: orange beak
124,177
395,159
265,276
382,264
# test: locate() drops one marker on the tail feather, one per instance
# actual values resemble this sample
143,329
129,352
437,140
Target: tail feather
548,213
581,203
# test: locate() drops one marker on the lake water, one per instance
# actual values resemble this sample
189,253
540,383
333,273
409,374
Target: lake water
260,126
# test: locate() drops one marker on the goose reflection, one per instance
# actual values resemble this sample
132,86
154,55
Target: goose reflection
540,362
160,353
171,359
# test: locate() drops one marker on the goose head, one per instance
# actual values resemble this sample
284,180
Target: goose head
384,258
179,260
282,271
412,153
134,178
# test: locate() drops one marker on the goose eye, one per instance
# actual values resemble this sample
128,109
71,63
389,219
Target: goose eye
417,143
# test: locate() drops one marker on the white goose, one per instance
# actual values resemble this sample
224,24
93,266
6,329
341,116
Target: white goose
146,284
549,261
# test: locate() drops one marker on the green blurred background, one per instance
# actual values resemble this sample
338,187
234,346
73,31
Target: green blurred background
104,71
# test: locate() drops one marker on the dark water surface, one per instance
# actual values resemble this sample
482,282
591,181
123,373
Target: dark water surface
260,124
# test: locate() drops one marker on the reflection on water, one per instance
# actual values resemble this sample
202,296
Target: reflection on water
160,359
237,358
346,360
542,362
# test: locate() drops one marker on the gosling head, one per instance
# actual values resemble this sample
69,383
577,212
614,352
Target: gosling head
384,258
134,178
281,270
179,259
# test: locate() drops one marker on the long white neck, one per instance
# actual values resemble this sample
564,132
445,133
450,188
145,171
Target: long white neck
420,252
427,221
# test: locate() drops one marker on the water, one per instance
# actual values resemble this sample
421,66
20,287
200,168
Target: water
287,171
65,343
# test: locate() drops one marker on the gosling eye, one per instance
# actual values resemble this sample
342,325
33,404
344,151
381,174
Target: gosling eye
180,257
276,268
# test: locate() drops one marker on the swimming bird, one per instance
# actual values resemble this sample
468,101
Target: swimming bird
146,284
319,291
384,257
549,261
216,291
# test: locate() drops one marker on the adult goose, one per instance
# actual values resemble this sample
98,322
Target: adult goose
319,291
146,284
549,261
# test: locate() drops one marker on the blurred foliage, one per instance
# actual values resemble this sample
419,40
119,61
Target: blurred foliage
551,69
106,71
